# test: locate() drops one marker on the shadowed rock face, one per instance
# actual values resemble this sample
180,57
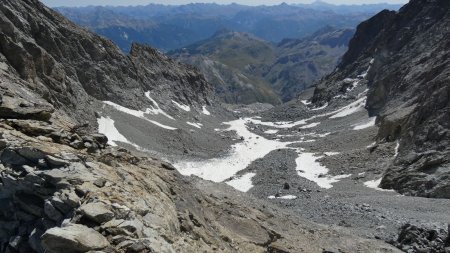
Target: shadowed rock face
63,189
71,68
409,91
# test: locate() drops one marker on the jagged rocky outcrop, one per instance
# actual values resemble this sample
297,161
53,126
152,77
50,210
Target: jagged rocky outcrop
408,53
72,68
64,189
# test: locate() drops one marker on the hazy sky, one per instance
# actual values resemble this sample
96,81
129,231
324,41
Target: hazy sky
54,3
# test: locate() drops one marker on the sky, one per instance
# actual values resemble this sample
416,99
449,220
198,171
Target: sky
56,3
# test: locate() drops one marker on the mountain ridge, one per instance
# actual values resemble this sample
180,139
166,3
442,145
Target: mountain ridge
397,94
173,27
285,69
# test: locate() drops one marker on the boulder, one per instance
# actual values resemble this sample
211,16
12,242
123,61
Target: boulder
97,212
52,212
73,238
55,162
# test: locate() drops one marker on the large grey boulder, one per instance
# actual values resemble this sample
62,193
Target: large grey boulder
74,238
97,212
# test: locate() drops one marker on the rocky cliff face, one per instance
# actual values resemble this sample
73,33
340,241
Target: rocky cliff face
72,68
408,79
64,189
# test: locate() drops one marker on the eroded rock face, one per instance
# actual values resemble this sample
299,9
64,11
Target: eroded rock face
409,57
71,68
421,239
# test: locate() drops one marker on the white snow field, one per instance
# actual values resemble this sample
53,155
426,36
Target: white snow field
369,123
182,106
156,110
375,184
243,183
283,197
240,156
106,126
205,111
197,125
271,131
309,168
138,114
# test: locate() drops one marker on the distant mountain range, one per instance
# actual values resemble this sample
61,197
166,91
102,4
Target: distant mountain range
246,69
169,27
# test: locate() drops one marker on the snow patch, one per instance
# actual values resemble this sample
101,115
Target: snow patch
369,123
243,183
241,155
375,184
283,197
353,107
312,125
364,75
156,110
371,145
280,124
205,111
331,153
138,114
305,102
397,146
135,113
271,131
309,168
320,108
182,106
197,125
106,126
162,125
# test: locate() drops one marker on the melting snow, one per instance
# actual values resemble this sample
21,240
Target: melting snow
271,131
397,146
305,102
243,183
364,75
197,125
356,106
138,114
283,197
156,110
372,145
135,113
280,124
241,155
369,123
310,125
320,108
309,168
106,126
331,153
182,106
205,111
375,184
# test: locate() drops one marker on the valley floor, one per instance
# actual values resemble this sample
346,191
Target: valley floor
326,168
323,165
